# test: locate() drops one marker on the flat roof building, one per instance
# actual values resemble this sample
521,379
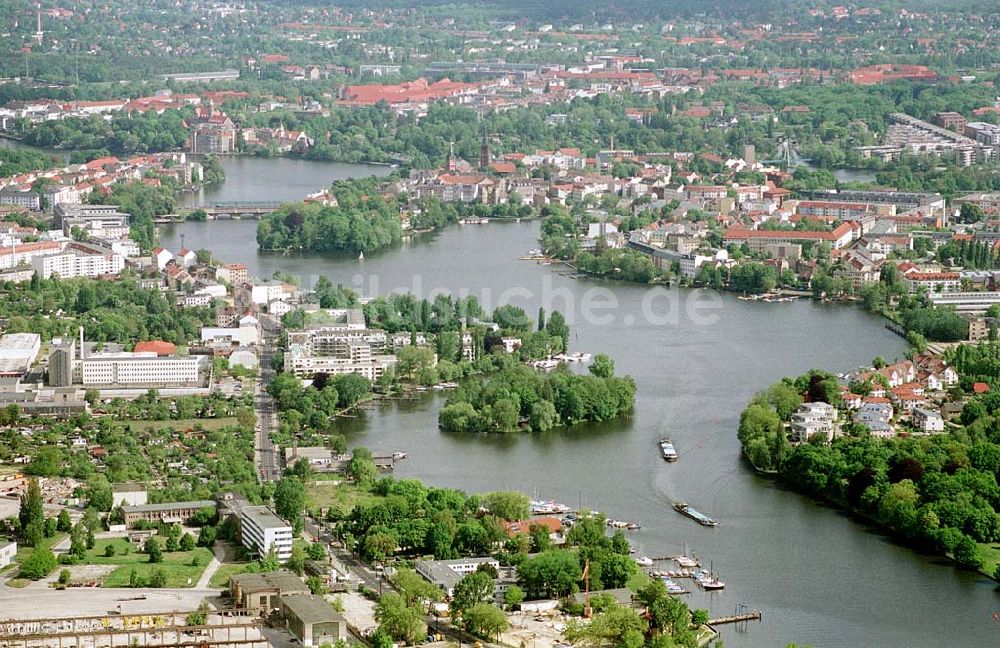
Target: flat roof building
312,619
259,593
261,530
18,352
129,494
167,512
145,370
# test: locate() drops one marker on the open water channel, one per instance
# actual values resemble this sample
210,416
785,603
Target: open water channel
818,576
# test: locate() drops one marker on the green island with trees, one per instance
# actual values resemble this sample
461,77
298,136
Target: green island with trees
936,493
520,397
362,220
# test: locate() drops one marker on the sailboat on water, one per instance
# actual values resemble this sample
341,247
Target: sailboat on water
361,257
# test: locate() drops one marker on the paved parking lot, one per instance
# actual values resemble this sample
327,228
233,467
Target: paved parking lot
49,603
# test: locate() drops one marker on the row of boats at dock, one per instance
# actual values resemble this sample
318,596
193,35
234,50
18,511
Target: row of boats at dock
687,568
550,363
771,298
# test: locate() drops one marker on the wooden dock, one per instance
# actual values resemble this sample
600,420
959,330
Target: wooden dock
753,615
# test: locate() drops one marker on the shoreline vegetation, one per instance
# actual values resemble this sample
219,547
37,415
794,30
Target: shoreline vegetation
497,368
521,398
934,493
359,219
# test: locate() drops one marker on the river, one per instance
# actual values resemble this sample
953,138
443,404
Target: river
847,175
818,576
274,179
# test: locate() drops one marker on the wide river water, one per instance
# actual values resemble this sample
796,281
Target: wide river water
818,576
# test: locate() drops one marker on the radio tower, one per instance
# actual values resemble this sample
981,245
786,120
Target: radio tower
39,34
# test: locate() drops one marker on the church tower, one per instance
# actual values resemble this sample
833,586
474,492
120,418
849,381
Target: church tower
484,153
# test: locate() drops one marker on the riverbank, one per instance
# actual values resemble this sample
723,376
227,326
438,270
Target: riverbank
876,460
861,517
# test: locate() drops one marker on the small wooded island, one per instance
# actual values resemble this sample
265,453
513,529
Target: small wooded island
519,397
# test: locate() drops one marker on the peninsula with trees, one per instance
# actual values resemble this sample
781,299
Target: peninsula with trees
909,446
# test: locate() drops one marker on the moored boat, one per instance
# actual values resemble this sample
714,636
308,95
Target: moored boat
707,581
672,586
687,562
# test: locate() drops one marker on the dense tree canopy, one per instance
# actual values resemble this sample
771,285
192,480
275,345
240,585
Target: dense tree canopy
520,396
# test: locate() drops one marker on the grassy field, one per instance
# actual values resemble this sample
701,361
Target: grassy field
225,572
182,424
24,551
990,554
639,580
177,565
342,497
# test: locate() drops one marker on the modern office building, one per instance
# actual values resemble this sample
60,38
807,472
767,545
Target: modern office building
139,370
261,530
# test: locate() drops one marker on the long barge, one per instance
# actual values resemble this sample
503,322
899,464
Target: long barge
699,517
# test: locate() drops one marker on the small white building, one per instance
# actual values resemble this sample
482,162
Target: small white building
279,308
129,494
161,257
243,357
246,334
927,420
8,550
186,258
267,292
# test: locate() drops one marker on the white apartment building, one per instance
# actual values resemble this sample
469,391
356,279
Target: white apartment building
342,345
267,292
360,361
261,529
17,255
112,226
813,418
70,263
332,341
144,369
927,420
26,199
